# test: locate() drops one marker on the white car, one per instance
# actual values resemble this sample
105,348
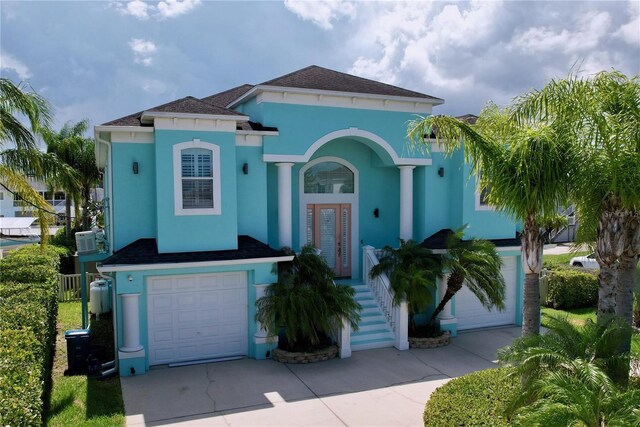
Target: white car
588,262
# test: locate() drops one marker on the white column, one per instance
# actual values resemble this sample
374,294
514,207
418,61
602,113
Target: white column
284,204
406,202
261,335
130,323
445,314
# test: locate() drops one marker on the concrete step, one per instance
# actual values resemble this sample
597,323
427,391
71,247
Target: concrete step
372,325
371,344
377,333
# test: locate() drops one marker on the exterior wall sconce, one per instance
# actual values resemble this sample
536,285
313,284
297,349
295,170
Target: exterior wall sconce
376,213
135,168
245,168
441,172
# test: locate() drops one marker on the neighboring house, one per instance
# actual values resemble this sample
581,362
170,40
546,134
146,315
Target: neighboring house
202,193
10,206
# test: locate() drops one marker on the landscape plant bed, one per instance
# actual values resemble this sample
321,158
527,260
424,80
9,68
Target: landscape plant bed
320,355
430,342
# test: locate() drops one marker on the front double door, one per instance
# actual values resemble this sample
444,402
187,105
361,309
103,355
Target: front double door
329,229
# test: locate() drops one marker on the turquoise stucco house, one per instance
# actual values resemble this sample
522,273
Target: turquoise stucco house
202,193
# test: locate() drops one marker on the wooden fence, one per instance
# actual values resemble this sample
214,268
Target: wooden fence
69,286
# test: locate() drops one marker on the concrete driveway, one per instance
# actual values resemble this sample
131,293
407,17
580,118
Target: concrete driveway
383,387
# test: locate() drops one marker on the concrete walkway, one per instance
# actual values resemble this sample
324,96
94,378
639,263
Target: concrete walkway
383,387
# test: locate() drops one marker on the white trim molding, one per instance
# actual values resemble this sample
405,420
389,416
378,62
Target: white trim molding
329,198
177,178
350,132
329,98
148,116
178,265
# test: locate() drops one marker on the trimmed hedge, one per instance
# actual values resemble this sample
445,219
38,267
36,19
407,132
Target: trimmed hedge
27,333
570,288
476,399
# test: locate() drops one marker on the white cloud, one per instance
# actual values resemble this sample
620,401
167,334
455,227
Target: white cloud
163,10
8,62
143,51
153,86
591,28
136,8
173,8
630,32
321,12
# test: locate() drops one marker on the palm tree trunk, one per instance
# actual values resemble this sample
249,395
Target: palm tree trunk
67,214
627,275
454,284
609,246
86,198
532,245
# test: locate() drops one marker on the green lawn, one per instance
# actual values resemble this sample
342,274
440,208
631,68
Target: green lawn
77,400
551,261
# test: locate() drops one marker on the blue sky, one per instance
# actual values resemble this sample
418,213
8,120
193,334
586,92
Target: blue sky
102,59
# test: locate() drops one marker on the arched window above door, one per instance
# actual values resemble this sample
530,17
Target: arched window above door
328,178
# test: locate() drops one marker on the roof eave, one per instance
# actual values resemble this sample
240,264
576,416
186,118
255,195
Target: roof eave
263,88
148,116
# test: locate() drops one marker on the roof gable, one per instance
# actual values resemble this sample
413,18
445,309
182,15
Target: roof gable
319,78
186,105
226,97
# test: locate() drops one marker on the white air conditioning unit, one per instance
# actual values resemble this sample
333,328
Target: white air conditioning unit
86,242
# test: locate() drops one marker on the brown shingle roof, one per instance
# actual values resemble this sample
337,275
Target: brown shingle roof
254,126
319,78
228,96
187,105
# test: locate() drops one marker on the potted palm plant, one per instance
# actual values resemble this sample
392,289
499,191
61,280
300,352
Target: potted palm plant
413,270
304,306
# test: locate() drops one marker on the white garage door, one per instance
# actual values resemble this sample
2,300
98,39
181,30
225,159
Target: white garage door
471,314
196,317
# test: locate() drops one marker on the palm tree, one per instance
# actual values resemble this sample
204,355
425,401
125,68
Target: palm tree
412,270
474,263
586,396
602,117
77,152
24,156
523,169
306,303
564,374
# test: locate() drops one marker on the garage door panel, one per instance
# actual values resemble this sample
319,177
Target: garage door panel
471,314
199,317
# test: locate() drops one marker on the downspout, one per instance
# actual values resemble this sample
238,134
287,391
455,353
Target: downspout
110,194
113,365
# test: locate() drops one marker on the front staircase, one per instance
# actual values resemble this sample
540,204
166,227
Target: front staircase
373,329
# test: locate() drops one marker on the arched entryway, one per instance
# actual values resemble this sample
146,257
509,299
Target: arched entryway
328,211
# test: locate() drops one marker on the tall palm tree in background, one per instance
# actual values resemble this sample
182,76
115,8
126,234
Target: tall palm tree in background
602,117
524,171
473,263
23,156
77,152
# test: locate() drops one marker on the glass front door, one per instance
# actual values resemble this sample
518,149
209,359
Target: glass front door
329,229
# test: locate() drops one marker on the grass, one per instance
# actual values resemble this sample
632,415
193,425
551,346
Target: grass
551,261
78,400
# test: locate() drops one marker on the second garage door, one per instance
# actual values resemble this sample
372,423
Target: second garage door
471,314
197,317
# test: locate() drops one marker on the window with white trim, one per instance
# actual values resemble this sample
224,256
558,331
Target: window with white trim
482,203
196,178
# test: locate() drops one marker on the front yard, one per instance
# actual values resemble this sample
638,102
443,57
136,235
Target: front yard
77,400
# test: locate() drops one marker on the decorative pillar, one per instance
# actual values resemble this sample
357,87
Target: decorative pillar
406,202
130,323
446,313
284,204
261,334
447,321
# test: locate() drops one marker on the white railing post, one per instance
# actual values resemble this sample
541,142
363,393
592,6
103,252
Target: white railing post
402,331
396,315
345,339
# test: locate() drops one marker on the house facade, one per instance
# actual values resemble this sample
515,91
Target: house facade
201,194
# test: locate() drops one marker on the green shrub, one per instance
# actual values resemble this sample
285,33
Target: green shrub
31,265
27,333
476,399
569,288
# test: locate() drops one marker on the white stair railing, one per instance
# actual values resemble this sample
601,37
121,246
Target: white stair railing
396,315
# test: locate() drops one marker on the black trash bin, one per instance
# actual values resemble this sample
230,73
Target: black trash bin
77,350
